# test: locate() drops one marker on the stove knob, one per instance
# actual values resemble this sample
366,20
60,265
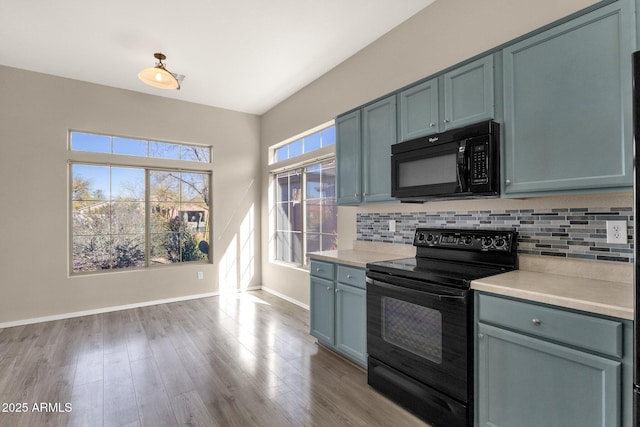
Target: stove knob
421,237
500,242
468,240
430,238
487,241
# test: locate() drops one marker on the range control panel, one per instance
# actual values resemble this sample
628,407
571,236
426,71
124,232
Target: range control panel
474,240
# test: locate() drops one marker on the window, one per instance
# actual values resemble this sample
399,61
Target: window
138,147
306,144
305,202
126,216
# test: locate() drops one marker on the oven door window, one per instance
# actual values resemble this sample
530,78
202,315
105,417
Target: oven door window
412,327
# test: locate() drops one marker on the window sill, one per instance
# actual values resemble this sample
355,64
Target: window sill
298,267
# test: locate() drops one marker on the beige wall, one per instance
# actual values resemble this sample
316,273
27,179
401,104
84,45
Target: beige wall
443,34
36,112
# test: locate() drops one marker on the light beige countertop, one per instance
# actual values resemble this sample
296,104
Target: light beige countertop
352,257
579,293
598,287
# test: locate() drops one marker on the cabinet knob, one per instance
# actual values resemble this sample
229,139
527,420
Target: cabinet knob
349,276
508,181
481,336
328,288
355,195
337,290
536,322
446,121
431,125
318,269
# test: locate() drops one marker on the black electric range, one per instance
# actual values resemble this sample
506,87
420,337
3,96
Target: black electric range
420,320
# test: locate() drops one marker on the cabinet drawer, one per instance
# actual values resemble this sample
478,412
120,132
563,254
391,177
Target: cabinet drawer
351,276
588,332
322,269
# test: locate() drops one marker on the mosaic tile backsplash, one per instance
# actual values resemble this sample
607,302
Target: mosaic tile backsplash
567,232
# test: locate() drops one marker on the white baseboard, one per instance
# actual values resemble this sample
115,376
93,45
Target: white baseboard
109,309
285,297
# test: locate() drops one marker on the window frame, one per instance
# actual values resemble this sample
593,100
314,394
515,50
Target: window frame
148,165
301,162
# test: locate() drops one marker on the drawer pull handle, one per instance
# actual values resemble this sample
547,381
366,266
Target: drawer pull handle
536,322
349,276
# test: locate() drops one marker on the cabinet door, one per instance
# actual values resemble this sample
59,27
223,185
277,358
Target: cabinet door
568,105
418,110
349,158
351,322
527,381
378,134
468,94
322,309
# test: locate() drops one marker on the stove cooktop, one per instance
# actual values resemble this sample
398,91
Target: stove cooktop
436,271
454,257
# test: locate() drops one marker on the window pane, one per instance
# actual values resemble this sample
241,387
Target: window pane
329,242
127,251
329,136
91,220
91,253
165,186
295,186
132,147
127,184
194,187
312,142
282,153
313,242
314,186
127,217
161,213
282,187
90,182
314,216
295,216
282,217
195,153
164,150
90,142
161,245
329,216
295,148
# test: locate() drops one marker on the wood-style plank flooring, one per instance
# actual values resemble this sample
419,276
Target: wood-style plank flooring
240,360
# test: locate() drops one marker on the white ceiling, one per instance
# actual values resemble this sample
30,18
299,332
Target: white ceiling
244,55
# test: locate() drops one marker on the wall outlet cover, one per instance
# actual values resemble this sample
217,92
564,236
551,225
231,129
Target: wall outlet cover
617,232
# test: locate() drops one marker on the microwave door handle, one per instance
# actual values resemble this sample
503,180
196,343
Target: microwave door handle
461,166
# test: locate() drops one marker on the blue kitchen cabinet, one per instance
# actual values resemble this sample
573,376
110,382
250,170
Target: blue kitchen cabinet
349,158
378,135
542,365
363,153
459,97
418,110
322,309
567,106
338,308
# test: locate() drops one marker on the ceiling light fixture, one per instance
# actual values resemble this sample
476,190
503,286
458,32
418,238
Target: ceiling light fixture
159,76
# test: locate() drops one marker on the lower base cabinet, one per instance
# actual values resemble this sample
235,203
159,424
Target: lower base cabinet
543,366
338,308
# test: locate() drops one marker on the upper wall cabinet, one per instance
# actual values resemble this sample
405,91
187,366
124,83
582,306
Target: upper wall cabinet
378,135
568,125
349,158
459,97
364,138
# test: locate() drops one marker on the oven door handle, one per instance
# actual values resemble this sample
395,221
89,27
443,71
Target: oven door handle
438,296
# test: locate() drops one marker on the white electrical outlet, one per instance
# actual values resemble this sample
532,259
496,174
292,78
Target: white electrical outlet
200,275
617,232
392,225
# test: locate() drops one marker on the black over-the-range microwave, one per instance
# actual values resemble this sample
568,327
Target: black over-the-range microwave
456,164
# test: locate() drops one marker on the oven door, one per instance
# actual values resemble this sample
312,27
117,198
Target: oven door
421,330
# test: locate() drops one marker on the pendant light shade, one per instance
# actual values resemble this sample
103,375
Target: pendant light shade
159,76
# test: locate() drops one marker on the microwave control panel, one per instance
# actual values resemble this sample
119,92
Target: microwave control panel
479,164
